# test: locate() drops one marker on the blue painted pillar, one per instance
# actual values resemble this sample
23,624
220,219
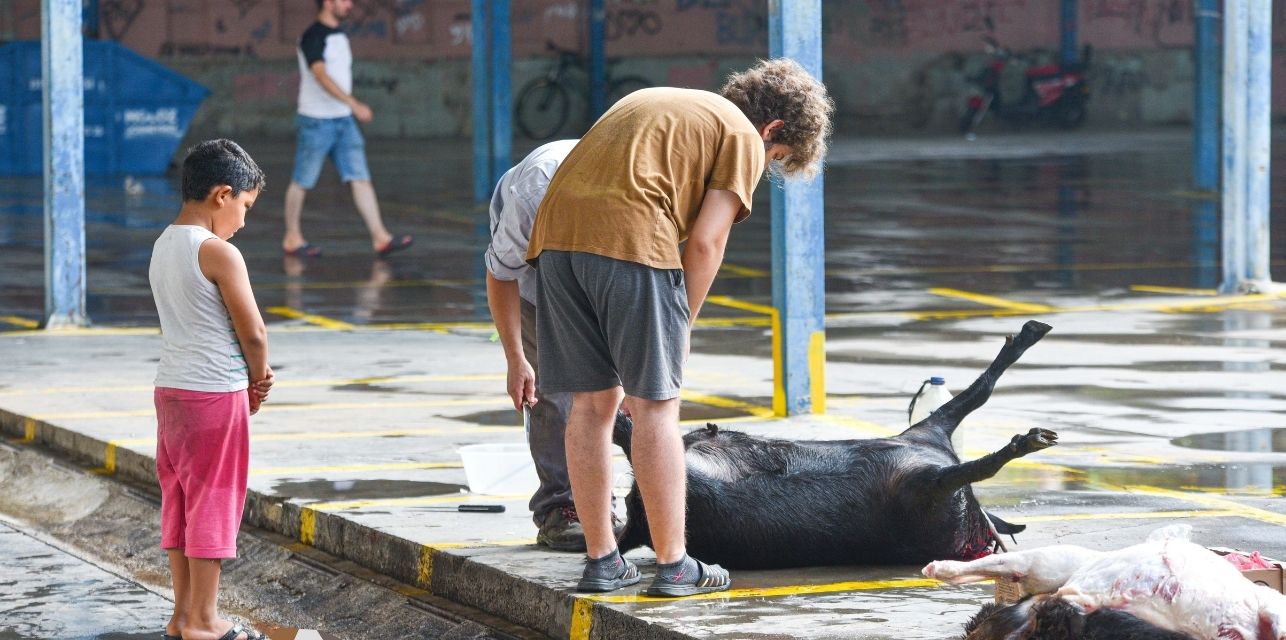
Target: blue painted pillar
492,95
63,104
501,92
1068,32
482,165
798,247
597,59
1205,112
1247,82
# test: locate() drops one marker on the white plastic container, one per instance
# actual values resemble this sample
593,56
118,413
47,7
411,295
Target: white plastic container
498,469
933,394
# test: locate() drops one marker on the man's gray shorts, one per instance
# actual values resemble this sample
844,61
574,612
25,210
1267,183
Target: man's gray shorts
604,322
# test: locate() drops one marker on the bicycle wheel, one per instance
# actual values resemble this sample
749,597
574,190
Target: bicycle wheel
542,109
625,86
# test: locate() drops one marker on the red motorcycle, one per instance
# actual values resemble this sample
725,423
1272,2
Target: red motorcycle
1053,93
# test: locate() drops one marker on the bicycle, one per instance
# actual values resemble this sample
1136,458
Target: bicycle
544,103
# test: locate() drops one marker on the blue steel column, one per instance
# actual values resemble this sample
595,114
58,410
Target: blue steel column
1234,139
63,104
1067,31
798,248
501,93
1259,81
597,59
482,164
1205,113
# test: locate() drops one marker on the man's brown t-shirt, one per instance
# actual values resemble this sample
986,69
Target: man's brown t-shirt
633,186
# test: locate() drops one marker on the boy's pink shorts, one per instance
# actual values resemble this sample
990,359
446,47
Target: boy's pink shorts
202,456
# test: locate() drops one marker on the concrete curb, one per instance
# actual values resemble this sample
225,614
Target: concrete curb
446,573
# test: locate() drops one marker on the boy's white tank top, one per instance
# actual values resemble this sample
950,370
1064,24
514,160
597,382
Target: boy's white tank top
200,351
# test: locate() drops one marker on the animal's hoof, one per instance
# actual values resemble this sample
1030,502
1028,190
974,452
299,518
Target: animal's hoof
930,570
1038,439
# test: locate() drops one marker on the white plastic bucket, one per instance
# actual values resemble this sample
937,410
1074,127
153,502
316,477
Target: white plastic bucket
499,468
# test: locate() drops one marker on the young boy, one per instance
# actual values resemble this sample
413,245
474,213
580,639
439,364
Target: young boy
662,167
213,375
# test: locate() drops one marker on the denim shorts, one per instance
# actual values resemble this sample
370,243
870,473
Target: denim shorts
338,138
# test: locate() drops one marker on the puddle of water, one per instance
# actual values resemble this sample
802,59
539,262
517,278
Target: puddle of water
499,418
363,489
1251,440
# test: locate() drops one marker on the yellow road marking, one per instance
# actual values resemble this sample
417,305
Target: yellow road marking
726,403
1136,515
1245,511
733,303
321,321
268,408
307,526
423,501
737,270
19,321
1181,291
991,301
517,542
352,468
424,568
28,432
281,384
582,619
817,371
790,590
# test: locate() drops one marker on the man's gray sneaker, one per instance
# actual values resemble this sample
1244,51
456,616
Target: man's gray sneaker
609,573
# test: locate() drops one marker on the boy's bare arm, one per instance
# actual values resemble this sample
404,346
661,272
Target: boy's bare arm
360,110
223,265
704,251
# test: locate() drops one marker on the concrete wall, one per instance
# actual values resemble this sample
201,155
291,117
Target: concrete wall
892,64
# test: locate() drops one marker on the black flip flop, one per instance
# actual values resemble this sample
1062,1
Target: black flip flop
238,629
166,636
394,245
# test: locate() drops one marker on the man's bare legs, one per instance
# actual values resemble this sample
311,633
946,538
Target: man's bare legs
659,469
589,465
363,197
369,208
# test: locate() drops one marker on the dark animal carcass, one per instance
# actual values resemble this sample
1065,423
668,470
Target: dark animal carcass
1048,617
759,503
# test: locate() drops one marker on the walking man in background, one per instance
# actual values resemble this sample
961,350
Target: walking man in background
511,295
326,125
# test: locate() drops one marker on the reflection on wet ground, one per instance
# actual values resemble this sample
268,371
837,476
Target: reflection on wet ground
1230,479
363,489
1253,440
48,593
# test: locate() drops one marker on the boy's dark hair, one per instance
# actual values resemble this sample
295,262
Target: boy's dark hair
219,162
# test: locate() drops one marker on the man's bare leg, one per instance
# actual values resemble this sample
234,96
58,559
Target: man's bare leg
294,208
589,465
369,208
657,450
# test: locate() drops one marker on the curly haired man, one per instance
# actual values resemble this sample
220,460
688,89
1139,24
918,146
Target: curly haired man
618,296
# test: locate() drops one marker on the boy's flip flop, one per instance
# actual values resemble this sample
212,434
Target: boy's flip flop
238,629
304,250
709,579
394,245
166,636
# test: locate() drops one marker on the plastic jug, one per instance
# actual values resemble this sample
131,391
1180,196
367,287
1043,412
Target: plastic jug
931,395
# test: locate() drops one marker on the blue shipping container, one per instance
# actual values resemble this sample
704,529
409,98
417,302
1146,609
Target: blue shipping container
136,110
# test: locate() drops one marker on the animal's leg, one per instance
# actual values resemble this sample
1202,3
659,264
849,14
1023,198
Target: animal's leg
1038,570
949,415
1001,565
956,476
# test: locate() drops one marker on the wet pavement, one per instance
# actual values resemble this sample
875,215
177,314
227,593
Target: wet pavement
1168,399
47,592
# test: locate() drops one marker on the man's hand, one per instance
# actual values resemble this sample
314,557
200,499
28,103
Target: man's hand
362,112
521,383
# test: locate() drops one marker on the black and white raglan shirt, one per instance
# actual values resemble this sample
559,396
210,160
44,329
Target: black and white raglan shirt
329,45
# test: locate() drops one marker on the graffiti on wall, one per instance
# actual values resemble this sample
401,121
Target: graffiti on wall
1166,23
117,16
907,23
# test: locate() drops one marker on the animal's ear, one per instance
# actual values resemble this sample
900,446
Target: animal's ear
712,428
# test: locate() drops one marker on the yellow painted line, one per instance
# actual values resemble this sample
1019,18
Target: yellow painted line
733,303
517,542
1245,511
734,322
305,382
353,468
438,327
990,301
790,590
864,426
1137,515
424,569
738,270
19,321
458,498
582,619
321,321
83,331
307,526
28,432
817,370
1181,291
269,408
726,403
